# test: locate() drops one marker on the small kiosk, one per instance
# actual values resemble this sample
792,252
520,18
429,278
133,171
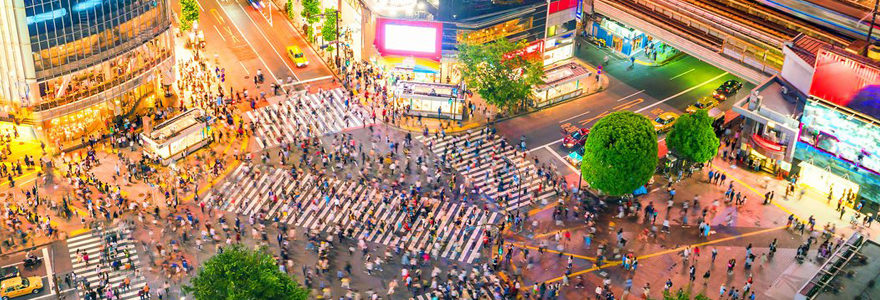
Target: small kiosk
561,83
177,137
436,100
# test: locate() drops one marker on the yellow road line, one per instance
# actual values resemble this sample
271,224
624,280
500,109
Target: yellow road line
615,263
222,175
560,231
757,192
535,211
518,245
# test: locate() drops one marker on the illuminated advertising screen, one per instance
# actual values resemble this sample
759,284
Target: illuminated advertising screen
409,38
847,81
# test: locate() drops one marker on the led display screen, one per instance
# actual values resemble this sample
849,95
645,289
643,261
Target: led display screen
847,81
409,38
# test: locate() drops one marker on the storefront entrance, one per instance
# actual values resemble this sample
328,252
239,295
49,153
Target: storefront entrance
825,182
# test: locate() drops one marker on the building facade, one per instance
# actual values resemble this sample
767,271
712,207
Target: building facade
70,67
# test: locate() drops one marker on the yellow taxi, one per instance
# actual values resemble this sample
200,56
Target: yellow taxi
20,286
297,56
704,103
664,121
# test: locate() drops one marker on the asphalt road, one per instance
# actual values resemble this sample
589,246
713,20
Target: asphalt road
243,40
649,90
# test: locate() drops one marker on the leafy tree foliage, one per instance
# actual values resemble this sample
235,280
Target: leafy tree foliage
328,31
243,274
289,9
189,10
620,153
311,11
693,138
502,80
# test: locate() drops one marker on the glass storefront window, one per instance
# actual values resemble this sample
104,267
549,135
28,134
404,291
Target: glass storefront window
842,135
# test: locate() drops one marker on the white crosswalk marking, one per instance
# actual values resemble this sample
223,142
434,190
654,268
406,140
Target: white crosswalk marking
312,115
92,243
468,291
493,166
331,205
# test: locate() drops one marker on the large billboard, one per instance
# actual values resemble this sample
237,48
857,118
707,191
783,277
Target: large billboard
847,80
409,38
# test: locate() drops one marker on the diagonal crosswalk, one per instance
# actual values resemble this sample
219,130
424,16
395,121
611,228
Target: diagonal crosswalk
307,116
493,166
93,243
453,230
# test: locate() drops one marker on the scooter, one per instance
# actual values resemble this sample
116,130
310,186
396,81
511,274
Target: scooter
30,262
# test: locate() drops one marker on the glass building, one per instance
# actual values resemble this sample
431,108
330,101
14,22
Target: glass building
69,67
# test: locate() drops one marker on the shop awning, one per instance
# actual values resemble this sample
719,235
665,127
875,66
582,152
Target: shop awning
767,144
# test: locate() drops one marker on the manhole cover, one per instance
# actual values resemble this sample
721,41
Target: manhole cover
141,195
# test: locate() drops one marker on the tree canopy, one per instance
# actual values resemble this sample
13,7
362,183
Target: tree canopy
500,78
328,30
692,137
311,11
189,10
239,273
620,153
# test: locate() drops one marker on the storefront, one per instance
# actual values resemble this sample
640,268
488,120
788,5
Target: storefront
562,82
412,68
825,181
177,136
558,49
436,100
617,36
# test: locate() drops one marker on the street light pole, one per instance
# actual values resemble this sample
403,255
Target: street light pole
873,18
338,35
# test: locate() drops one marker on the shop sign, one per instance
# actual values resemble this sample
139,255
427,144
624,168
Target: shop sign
579,11
618,29
533,50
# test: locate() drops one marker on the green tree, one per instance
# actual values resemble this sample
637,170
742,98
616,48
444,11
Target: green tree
692,137
620,153
505,82
311,11
241,273
328,30
189,10
682,295
289,9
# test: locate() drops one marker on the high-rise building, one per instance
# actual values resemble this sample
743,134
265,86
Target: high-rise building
68,68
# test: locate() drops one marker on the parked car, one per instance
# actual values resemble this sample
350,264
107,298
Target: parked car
727,89
20,286
575,138
703,103
9,272
664,121
257,4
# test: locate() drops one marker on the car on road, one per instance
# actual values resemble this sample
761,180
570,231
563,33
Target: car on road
704,103
297,56
575,157
727,89
257,4
575,138
664,121
9,272
20,286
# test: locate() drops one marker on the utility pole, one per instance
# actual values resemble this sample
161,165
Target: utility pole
339,35
873,18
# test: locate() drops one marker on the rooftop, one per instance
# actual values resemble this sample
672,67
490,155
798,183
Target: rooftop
850,273
429,89
171,127
807,48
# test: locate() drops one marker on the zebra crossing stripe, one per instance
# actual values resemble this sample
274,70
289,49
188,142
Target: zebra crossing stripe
92,242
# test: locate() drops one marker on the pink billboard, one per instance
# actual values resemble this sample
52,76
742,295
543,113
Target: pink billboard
409,38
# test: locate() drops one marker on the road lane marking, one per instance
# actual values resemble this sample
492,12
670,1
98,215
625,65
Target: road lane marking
200,6
575,116
587,121
260,30
615,263
545,145
520,245
216,15
682,92
630,95
245,68
250,45
219,33
573,169
682,74
48,264
629,104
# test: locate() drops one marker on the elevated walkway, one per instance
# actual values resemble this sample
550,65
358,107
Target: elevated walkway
703,42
